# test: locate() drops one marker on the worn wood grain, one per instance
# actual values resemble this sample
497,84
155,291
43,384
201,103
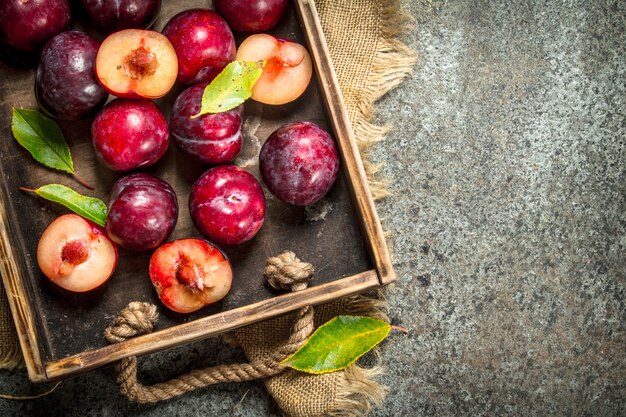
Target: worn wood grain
211,325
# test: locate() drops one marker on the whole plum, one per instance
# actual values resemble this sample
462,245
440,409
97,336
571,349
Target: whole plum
227,205
28,24
299,163
112,15
251,15
66,84
129,134
212,138
143,211
203,42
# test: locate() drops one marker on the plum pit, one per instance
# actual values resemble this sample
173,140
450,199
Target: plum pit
140,63
75,252
189,274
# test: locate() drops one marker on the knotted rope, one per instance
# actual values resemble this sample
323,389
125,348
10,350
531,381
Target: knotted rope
284,271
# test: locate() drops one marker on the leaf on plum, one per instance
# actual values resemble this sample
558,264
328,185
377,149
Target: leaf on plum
90,208
338,343
231,87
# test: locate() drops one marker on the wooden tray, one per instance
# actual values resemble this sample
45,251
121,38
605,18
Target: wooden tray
61,333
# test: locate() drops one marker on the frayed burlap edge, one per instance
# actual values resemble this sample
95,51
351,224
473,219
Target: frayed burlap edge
393,63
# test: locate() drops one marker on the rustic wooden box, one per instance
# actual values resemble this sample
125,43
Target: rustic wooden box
61,333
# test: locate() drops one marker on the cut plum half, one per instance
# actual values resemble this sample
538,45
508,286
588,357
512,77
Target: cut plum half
189,274
287,71
76,254
135,63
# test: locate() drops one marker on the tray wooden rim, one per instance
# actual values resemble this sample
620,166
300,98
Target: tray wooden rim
383,273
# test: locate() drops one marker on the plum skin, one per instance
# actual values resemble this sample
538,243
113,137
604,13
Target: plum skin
227,205
110,16
143,211
66,86
251,15
129,134
208,139
299,163
26,25
203,42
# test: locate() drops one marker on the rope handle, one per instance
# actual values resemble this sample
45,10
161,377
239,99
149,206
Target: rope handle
284,271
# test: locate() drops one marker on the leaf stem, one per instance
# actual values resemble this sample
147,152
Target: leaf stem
82,181
28,190
400,329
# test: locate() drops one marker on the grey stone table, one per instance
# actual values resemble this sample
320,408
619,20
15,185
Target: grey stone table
507,223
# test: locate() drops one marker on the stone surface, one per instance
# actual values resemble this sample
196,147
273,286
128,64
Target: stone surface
508,163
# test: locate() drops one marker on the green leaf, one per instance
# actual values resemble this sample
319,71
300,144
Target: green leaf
43,138
231,87
90,208
338,343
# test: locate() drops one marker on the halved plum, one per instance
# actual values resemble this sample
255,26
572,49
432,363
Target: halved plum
287,71
135,63
189,274
76,254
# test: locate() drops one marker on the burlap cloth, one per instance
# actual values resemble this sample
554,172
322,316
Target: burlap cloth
369,61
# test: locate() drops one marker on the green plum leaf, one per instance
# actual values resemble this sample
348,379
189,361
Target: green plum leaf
338,343
231,87
90,208
42,137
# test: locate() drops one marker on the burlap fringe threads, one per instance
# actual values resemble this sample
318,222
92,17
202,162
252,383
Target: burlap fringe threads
393,63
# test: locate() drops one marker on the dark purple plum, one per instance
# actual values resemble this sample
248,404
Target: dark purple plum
251,15
143,211
28,24
113,15
209,139
129,134
203,42
227,205
299,163
66,84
